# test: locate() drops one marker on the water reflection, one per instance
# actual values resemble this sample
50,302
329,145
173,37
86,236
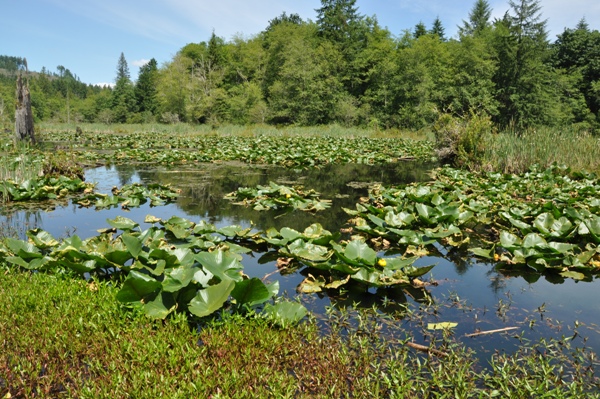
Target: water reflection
204,187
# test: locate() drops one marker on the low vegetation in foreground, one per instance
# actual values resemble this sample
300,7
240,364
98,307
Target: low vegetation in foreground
65,337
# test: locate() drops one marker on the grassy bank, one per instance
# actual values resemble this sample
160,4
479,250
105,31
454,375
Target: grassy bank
514,153
63,337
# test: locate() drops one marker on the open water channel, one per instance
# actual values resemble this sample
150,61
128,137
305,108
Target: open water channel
473,294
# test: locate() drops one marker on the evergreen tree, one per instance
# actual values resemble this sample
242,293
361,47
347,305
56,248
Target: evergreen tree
145,88
122,69
577,52
420,30
524,83
479,19
438,29
123,96
340,24
337,20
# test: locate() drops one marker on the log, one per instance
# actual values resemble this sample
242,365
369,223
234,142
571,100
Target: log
23,116
426,349
475,334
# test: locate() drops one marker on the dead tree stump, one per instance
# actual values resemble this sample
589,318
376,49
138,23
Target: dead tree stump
23,115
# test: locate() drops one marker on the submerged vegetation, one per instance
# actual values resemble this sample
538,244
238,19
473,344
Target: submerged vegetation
67,338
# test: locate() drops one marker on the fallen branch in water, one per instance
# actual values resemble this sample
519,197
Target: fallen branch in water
490,331
427,349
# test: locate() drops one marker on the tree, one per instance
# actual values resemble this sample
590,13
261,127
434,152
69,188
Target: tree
305,88
122,69
337,20
340,24
420,30
421,84
524,83
577,52
123,95
438,29
284,19
479,19
145,88
172,82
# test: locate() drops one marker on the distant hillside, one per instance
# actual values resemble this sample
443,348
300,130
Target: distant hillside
12,64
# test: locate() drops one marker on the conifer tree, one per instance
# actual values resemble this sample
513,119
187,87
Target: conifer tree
479,19
438,29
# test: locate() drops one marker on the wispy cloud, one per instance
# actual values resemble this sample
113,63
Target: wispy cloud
140,63
150,19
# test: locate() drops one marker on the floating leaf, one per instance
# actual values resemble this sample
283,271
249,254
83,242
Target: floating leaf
122,223
441,326
137,287
285,314
251,292
211,299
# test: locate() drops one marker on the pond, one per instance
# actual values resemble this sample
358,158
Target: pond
468,292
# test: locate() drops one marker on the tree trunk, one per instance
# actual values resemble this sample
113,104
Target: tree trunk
23,116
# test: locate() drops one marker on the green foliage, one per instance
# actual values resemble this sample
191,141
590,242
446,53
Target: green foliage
102,348
462,141
479,19
41,188
577,52
145,88
312,149
524,82
130,196
437,29
122,69
277,196
179,266
542,221
347,69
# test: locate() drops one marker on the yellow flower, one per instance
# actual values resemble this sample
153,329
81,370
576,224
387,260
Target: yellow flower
288,195
382,262
496,257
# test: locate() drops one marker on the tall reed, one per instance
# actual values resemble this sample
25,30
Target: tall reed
510,152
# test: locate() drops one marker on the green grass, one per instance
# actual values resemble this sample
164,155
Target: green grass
46,129
67,338
511,153
20,162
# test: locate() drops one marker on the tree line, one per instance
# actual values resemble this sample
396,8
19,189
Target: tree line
346,68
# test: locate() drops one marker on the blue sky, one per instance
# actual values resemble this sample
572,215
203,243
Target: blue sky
87,36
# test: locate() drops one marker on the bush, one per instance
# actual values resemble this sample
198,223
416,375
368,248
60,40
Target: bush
460,141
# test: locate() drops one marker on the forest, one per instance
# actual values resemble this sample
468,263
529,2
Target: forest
345,68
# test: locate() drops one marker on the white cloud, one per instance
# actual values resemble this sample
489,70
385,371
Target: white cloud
140,63
102,84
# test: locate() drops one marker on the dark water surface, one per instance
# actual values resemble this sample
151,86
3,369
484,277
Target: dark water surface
472,294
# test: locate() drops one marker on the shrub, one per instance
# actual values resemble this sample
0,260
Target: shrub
460,141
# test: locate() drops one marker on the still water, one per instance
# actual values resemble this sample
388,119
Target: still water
467,292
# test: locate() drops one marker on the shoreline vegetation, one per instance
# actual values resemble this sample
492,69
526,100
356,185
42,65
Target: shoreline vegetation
65,337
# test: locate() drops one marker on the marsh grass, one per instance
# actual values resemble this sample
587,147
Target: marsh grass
19,163
46,129
510,152
66,337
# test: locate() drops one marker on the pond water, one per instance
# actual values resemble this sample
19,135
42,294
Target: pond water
473,294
